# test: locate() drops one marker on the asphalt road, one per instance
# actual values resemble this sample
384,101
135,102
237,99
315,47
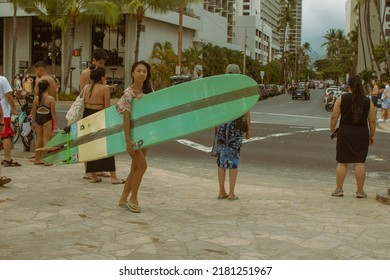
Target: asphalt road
290,139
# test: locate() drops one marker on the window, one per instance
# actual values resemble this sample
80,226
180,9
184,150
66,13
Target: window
112,40
42,43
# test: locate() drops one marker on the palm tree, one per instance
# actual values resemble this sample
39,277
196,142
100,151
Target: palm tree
163,62
192,57
287,20
333,38
48,11
182,4
77,10
139,8
14,37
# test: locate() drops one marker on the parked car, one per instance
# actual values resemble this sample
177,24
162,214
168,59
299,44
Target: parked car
321,85
271,89
301,92
263,94
281,89
311,84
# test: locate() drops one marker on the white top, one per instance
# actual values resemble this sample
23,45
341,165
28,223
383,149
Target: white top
5,87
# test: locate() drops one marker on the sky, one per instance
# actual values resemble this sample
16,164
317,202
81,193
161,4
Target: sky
318,16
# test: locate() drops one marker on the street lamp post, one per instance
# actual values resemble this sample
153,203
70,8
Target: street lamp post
71,71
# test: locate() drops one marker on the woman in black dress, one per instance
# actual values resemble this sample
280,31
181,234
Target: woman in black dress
355,133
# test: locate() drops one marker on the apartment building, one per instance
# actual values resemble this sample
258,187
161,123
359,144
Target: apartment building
365,10
293,40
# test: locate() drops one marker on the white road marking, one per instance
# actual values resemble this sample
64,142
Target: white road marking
288,115
205,149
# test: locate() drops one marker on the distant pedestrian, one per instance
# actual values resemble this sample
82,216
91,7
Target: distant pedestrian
18,86
27,84
228,147
141,75
42,74
374,93
385,101
9,110
354,135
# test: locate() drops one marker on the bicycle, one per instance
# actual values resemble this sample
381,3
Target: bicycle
22,123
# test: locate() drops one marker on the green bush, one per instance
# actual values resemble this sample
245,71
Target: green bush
62,96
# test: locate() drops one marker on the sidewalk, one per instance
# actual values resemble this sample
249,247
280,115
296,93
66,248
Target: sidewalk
52,213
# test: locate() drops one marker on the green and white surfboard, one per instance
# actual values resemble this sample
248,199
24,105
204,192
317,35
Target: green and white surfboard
160,116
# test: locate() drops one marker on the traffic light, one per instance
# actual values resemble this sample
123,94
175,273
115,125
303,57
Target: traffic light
76,52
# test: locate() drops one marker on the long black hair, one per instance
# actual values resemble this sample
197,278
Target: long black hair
358,98
146,87
43,85
96,73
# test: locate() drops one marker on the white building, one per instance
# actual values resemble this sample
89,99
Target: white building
34,40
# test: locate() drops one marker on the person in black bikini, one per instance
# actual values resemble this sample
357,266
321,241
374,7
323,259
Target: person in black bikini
97,98
43,114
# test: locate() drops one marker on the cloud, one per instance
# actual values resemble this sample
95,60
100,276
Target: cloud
318,17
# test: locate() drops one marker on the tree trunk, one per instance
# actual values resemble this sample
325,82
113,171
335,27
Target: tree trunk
180,39
70,53
53,49
360,22
14,41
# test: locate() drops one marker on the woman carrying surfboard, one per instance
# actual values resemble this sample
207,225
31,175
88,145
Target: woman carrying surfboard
141,75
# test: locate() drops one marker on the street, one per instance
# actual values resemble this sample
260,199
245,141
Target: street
290,138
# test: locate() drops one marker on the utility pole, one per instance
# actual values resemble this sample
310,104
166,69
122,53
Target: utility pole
244,64
180,41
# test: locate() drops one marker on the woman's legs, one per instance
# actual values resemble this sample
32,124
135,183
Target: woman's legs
136,178
133,180
341,173
38,142
221,181
360,176
232,182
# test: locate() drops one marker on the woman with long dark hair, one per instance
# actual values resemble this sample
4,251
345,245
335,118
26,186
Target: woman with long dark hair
97,97
44,117
141,75
355,133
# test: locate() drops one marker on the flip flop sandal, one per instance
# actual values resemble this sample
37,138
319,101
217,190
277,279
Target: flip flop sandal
134,208
97,181
121,181
123,205
11,163
4,180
